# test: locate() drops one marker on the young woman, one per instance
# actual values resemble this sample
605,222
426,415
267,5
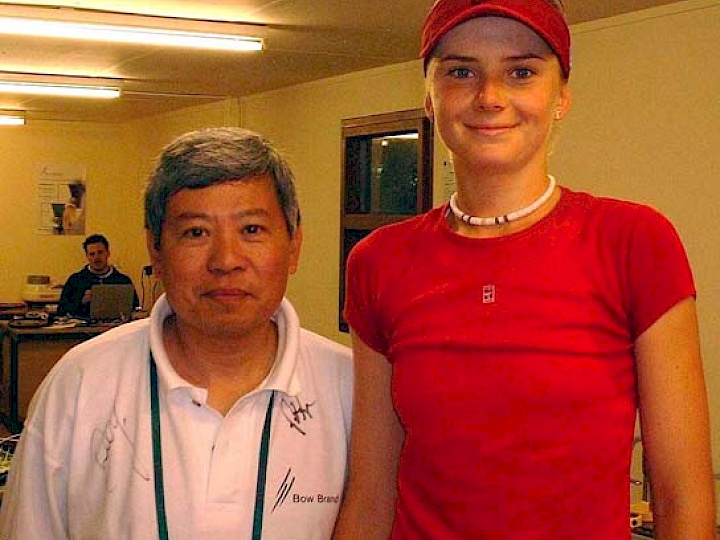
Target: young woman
505,342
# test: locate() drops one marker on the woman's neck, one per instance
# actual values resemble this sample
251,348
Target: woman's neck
487,194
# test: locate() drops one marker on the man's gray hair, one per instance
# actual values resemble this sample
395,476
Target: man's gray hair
212,156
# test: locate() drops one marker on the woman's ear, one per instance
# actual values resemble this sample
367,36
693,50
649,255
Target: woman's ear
429,112
564,102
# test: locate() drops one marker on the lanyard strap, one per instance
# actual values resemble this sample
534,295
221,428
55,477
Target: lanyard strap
158,468
262,472
157,453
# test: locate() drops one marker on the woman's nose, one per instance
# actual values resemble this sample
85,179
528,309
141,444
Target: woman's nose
490,94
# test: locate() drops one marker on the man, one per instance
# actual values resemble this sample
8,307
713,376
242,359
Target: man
76,294
218,416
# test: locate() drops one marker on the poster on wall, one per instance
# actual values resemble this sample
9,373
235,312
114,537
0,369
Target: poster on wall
61,199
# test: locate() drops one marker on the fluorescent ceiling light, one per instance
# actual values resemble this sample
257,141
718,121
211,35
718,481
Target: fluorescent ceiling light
402,136
12,120
127,28
59,89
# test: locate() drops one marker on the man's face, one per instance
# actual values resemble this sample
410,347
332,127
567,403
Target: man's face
97,255
225,256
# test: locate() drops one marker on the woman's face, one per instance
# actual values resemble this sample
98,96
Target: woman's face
493,89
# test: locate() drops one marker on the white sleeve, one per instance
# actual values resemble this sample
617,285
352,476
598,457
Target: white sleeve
35,500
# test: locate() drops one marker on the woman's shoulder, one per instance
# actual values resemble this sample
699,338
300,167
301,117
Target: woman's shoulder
617,223
395,235
610,208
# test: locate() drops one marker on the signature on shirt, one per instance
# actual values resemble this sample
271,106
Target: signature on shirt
105,439
296,413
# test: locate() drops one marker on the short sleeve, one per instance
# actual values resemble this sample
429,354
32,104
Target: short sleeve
362,282
659,273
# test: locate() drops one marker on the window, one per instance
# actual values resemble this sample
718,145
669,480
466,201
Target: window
387,177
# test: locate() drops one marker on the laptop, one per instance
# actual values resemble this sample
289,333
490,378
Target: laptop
112,302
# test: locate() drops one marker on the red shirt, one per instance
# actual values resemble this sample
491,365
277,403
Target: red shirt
513,367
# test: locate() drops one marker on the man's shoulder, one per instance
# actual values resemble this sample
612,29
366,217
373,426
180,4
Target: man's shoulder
318,346
80,275
113,350
120,276
325,355
95,371
323,345
325,368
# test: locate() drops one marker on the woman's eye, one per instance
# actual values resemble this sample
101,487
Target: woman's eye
461,72
252,229
522,73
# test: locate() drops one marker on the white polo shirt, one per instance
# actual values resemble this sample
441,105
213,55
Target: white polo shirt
84,467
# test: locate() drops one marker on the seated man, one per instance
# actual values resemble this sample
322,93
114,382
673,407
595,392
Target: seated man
218,417
76,294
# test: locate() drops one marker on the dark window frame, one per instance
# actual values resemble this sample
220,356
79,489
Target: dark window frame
356,225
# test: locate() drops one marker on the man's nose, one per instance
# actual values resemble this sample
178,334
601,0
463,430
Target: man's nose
228,252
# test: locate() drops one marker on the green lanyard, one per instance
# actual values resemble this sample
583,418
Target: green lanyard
158,468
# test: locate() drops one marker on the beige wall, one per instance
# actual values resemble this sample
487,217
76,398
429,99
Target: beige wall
24,149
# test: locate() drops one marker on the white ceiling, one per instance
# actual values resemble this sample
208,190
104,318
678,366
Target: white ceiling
306,40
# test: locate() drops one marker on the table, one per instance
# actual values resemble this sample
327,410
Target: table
28,354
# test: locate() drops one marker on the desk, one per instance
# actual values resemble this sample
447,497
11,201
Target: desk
28,354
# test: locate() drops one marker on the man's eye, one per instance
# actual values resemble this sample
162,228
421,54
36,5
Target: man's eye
252,229
194,232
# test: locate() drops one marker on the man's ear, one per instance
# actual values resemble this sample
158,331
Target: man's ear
153,253
295,248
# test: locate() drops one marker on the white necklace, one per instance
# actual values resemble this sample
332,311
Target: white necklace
507,218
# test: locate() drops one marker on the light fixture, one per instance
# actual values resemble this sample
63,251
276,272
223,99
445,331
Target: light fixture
73,23
63,90
55,85
15,119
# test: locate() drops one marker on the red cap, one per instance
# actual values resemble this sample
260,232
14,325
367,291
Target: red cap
539,15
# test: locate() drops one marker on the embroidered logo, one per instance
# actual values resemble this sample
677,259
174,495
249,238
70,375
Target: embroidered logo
285,493
488,294
284,489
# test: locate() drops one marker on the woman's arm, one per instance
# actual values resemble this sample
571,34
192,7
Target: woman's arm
675,426
368,506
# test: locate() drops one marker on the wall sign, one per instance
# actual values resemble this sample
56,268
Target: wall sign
62,199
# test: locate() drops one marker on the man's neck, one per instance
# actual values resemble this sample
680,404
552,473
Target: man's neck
104,271
227,368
